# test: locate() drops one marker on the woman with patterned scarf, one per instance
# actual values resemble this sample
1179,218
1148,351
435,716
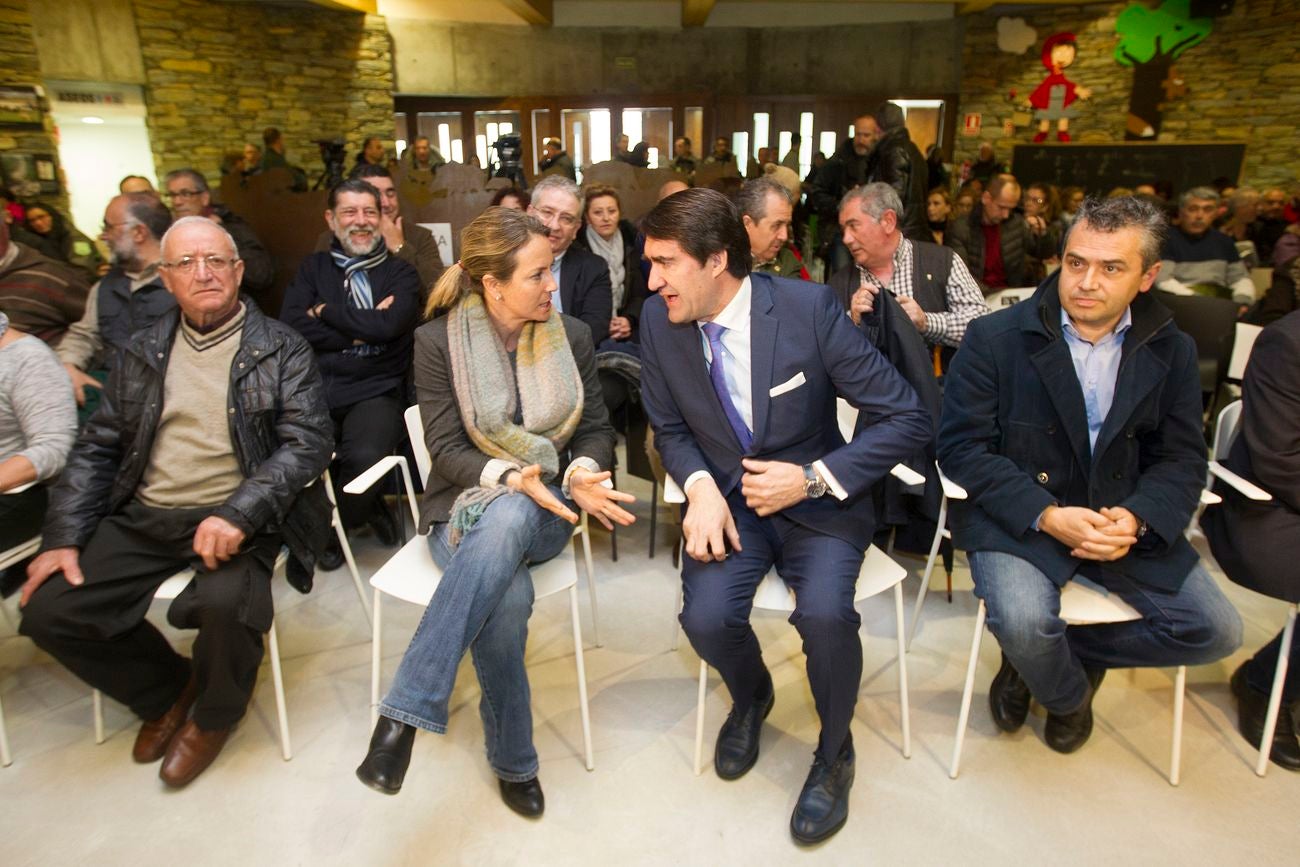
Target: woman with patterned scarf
519,438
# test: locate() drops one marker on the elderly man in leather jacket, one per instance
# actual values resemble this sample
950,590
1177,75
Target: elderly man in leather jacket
212,428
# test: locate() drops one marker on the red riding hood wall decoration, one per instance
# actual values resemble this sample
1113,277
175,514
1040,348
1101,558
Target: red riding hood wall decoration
1054,98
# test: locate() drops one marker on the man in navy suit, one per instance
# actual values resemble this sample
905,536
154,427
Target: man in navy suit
582,287
739,376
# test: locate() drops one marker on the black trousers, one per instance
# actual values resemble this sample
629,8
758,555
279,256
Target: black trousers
21,516
823,571
1263,665
99,631
364,432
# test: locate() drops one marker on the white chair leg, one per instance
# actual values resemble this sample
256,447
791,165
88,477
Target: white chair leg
1176,749
929,568
277,677
5,759
582,678
352,564
591,583
376,608
902,672
677,623
97,710
1275,697
967,690
699,718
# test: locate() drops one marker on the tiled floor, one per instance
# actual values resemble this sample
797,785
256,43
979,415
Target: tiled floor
67,801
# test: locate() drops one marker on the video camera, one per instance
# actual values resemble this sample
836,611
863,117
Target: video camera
333,153
509,162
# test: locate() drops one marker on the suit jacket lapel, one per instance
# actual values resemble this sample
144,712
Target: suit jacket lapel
688,339
1139,373
762,351
1056,369
568,280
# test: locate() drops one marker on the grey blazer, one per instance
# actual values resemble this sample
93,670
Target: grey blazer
457,462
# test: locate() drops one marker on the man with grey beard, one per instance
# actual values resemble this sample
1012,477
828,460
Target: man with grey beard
129,297
357,305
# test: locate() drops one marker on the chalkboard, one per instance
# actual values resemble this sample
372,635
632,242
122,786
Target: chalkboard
1099,168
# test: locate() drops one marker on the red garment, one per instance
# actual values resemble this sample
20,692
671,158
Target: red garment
803,272
1042,94
995,272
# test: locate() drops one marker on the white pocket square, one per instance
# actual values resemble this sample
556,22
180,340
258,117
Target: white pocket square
789,385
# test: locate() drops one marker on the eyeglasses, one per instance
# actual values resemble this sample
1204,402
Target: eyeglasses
183,194
1037,200
546,215
106,226
188,264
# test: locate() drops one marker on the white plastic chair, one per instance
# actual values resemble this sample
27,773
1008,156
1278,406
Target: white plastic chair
169,590
412,575
1225,433
1082,603
878,573
337,523
10,557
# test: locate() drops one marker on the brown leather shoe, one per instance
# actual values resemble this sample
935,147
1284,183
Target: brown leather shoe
190,753
151,743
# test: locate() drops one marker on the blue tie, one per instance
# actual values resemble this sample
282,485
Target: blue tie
713,331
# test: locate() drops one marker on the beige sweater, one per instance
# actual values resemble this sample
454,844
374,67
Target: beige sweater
193,462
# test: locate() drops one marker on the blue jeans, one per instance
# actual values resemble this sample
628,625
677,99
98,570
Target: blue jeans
482,605
1193,625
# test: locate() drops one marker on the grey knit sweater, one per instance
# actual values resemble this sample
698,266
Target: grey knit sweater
38,415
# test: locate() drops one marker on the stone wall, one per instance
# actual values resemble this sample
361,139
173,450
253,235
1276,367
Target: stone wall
217,74
22,66
1243,83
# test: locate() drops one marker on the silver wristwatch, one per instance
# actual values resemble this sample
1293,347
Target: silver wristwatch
813,485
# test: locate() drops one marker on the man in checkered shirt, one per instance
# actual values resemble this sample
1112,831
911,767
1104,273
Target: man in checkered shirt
931,284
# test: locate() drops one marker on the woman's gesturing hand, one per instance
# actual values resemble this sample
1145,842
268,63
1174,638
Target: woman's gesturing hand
600,502
529,481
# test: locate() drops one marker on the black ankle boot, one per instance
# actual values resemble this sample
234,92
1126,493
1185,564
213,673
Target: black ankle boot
385,765
524,798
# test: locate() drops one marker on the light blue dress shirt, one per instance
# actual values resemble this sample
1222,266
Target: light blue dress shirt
1097,366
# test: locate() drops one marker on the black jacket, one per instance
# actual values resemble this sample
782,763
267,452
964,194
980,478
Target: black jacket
279,427
891,332
351,378
842,172
896,161
1257,543
966,238
1014,434
634,280
585,291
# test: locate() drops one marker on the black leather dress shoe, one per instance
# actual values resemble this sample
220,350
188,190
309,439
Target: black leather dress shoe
524,798
737,747
1008,698
1066,732
1252,707
332,557
381,521
385,765
823,805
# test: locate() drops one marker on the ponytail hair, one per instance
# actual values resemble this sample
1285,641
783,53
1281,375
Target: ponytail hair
490,244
